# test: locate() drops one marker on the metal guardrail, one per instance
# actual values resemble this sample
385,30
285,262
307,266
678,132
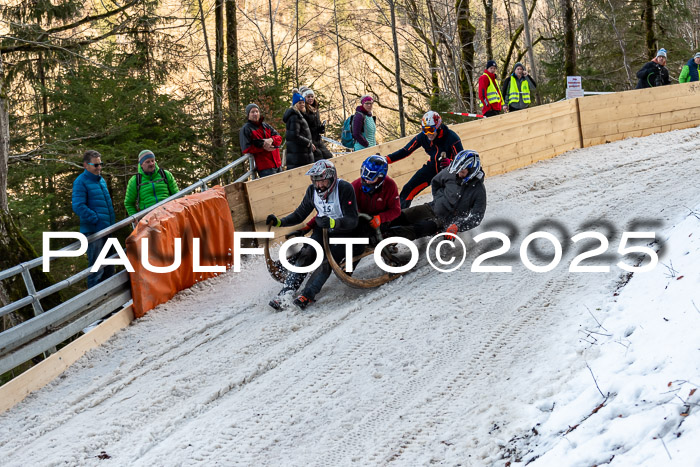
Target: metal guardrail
49,328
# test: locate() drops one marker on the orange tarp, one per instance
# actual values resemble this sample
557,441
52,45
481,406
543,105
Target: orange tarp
206,216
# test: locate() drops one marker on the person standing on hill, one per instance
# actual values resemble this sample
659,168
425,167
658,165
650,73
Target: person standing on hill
691,70
364,124
313,119
300,147
489,92
518,89
654,73
441,144
261,141
149,186
93,205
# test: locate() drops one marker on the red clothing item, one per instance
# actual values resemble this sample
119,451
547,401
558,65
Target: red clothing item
384,202
483,86
251,134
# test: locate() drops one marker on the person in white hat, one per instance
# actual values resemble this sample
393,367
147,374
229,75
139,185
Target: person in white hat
654,73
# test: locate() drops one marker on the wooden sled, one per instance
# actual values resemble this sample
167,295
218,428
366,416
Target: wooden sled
356,282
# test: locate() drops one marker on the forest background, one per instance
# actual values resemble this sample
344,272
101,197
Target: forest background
174,76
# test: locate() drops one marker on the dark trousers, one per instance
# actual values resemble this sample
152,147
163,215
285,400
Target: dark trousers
415,222
93,251
321,151
492,113
419,182
265,172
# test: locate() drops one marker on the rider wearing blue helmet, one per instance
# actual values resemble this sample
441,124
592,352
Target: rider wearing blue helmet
377,194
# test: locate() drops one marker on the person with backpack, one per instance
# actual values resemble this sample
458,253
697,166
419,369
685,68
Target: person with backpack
261,141
300,147
364,124
439,142
149,186
313,119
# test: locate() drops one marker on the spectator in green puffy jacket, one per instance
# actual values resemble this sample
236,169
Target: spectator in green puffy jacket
691,70
150,186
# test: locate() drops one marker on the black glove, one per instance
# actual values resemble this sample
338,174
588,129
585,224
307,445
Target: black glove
272,220
325,222
298,233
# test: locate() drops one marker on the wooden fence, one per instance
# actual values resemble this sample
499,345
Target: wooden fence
506,142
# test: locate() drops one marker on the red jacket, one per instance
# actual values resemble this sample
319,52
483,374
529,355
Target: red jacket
483,85
251,136
384,202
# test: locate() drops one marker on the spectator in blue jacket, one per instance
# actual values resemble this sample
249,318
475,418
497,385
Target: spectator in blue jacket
92,203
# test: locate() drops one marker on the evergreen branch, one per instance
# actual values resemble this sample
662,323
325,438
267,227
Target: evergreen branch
89,19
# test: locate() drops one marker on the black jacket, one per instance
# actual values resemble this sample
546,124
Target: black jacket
348,204
447,141
651,75
456,203
298,139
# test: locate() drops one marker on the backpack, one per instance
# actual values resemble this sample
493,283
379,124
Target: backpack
139,176
346,134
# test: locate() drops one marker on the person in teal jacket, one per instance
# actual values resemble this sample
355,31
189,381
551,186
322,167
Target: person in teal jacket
691,70
93,204
149,186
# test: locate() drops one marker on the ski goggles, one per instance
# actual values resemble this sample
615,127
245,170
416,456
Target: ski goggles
429,130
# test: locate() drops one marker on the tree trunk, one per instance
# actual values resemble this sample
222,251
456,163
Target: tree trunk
218,124
337,49
4,140
397,68
488,27
232,71
649,28
569,38
466,32
272,42
296,37
530,53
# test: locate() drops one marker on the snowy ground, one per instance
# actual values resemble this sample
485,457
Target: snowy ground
462,368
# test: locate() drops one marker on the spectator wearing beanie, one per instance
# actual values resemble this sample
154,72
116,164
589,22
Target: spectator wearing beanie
518,89
691,70
149,186
364,124
313,119
489,92
300,147
654,73
261,141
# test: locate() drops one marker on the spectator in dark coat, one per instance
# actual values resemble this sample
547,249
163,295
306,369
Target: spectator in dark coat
93,204
300,147
654,73
262,141
364,124
313,118
518,89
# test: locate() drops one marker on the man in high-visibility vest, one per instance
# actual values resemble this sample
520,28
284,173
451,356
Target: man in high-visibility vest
518,89
489,92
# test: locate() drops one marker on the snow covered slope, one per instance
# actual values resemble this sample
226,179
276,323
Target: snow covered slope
457,368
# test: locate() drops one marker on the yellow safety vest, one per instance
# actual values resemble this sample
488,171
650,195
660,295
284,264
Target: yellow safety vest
493,92
514,95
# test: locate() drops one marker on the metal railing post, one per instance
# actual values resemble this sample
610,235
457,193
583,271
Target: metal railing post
29,284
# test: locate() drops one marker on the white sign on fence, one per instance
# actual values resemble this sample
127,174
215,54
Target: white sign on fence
574,87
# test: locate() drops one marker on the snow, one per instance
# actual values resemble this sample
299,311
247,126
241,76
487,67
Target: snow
460,368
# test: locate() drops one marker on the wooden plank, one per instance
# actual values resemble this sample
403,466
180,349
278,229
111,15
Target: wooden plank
14,391
238,203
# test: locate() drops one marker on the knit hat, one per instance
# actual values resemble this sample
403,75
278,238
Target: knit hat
296,97
697,55
366,98
250,107
306,91
661,53
518,65
145,155
490,63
